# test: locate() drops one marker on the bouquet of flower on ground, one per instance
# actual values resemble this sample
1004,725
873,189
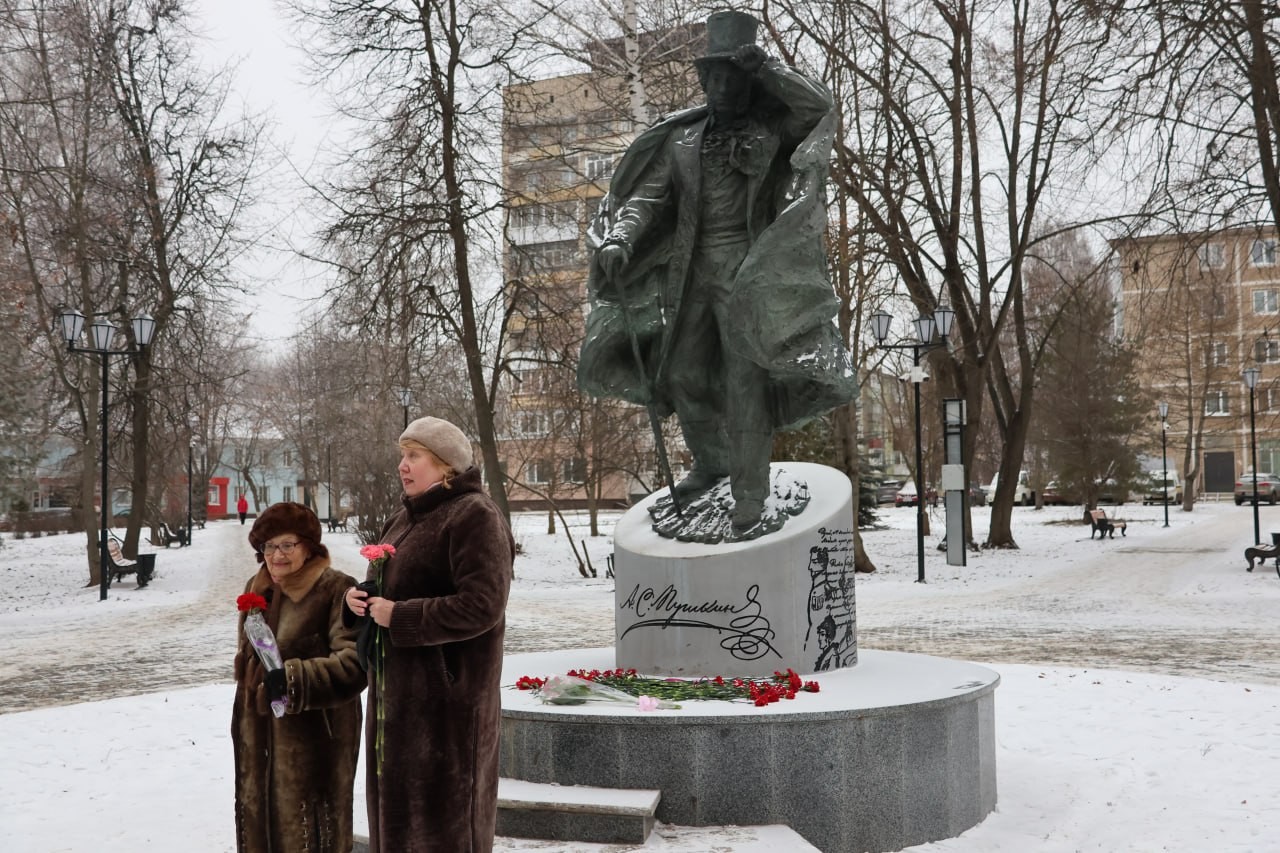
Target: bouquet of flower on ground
262,639
572,690
649,693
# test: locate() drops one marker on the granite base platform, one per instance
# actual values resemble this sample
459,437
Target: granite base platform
896,751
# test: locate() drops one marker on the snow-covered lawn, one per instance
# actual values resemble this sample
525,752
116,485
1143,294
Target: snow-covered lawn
1102,746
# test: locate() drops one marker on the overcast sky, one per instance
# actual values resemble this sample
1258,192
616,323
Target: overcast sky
270,82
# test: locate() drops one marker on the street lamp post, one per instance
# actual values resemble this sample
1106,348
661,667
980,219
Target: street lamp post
102,334
925,325
1251,380
403,394
1164,457
191,483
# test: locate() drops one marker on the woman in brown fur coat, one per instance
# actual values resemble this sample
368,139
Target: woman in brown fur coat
294,775
441,616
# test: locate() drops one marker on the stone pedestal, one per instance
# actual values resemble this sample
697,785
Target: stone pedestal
783,601
897,751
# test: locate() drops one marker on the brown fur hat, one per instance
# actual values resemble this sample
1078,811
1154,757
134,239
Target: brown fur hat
287,517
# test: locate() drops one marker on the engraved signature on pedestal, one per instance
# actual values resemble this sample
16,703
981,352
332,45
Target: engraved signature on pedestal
747,632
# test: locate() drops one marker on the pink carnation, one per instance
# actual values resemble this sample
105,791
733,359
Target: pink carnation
377,552
647,703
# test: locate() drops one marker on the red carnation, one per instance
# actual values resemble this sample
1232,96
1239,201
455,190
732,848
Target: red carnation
250,601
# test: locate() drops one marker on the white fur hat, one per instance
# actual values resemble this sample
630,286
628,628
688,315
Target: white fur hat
443,439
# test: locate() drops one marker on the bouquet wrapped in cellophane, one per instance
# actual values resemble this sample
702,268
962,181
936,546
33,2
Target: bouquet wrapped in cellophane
263,640
571,690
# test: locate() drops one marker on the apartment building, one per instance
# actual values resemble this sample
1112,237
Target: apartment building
562,138
1200,309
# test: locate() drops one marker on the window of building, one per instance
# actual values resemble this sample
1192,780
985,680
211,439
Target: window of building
1212,256
528,378
574,470
546,175
533,423
265,493
1266,350
1215,403
544,135
605,123
599,166
548,256
211,498
1266,302
559,214
288,459
288,493
264,458
1264,252
1215,305
1262,399
538,471
239,456
1215,354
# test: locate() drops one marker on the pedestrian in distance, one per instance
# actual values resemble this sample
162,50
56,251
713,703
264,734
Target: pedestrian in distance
242,507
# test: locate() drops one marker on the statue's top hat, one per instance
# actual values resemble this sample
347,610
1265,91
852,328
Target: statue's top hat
726,32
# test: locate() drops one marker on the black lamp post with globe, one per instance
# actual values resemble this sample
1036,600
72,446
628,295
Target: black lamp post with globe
405,398
1164,456
926,325
102,335
1251,375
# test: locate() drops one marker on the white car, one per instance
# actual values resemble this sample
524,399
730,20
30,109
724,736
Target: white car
1021,495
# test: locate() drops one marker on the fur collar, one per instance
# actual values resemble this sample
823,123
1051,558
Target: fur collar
465,483
295,586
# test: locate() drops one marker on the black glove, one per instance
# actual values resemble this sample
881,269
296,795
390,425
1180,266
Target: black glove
276,684
370,588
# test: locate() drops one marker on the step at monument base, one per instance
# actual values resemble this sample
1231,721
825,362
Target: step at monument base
575,812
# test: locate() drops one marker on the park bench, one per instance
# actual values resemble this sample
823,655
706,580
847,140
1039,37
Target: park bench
1262,553
1103,526
144,567
163,537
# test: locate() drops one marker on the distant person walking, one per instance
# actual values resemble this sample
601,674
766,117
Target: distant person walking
242,507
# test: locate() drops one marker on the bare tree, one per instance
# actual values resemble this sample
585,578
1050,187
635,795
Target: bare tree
186,181
123,192
416,209
994,114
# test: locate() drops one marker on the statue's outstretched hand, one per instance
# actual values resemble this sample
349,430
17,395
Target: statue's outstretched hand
612,258
749,57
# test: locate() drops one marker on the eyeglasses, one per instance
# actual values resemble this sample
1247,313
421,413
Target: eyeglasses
285,548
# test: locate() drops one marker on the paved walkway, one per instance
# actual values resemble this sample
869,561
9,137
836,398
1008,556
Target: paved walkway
1121,610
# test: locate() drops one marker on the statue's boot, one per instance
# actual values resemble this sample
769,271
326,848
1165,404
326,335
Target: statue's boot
707,444
749,473
699,480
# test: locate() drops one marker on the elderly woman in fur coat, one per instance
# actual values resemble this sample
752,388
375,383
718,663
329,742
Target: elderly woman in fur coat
440,615
294,774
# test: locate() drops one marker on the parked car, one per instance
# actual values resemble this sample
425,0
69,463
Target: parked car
1021,495
907,496
1055,496
887,491
1162,484
1268,488
1112,492
977,497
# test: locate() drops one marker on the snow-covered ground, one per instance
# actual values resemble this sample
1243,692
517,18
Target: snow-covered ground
1140,680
